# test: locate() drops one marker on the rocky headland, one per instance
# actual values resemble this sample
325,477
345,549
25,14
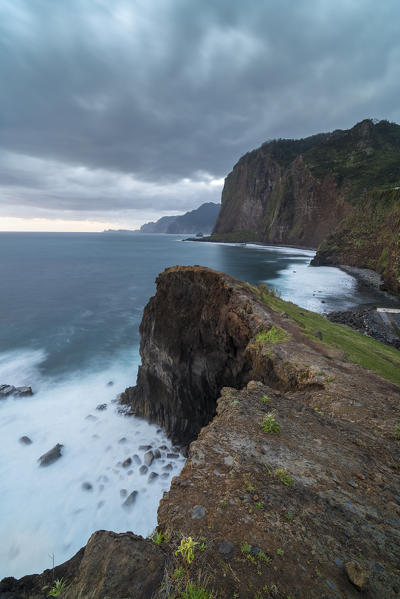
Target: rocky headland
336,192
292,482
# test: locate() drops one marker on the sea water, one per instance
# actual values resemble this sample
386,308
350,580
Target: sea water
70,309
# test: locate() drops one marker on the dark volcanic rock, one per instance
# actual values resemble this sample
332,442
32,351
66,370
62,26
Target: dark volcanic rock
23,391
6,390
184,367
130,500
25,440
51,456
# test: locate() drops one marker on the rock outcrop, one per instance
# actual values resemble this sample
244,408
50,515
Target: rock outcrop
292,485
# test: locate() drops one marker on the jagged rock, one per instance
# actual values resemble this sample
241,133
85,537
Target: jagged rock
144,447
148,458
152,477
130,500
143,469
101,407
357,574
25,440
51,456
23,391
127,462
6,390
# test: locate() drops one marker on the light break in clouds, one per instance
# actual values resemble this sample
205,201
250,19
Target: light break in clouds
116,112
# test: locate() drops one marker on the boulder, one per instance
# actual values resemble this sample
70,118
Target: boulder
6,390
23,391
51,456
25,440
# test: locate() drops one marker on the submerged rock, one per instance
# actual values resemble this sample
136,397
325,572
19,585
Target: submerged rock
51,456
6,390
25,440
130,500
87,486
101,407
148,458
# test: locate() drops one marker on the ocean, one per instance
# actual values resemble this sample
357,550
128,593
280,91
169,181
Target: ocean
70,309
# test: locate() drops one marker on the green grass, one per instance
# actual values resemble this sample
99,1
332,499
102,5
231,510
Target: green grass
273,335
269,424
265,399
284,477
245,548
357,348
193,591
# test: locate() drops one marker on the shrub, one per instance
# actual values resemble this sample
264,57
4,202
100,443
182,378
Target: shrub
269,424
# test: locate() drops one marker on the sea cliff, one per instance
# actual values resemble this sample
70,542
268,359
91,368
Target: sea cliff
338,192
292,483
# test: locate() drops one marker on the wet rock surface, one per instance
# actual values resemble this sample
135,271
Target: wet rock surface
51,456
8,390
367,320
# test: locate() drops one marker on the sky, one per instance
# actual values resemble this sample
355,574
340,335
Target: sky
117,112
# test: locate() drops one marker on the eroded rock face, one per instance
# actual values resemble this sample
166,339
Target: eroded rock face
193,336
121,566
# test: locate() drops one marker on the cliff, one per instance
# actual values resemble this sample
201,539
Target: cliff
299,192
292,485
201,219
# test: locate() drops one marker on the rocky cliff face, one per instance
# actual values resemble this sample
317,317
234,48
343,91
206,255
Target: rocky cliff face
299,192
292,487
369,237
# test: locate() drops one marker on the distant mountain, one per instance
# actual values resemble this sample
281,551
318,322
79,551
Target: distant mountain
201,219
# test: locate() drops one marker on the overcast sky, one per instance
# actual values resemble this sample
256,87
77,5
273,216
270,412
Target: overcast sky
116,112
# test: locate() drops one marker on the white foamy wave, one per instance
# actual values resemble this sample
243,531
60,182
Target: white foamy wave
46,510
21,368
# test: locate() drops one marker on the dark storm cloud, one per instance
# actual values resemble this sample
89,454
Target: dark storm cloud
168,89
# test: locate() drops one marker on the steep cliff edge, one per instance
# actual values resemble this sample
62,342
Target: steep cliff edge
299,192
292,486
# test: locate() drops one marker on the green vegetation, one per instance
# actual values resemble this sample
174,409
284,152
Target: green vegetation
158,538
273,335
397,432
186,549
280,552
357,348
58,588
284,477
265,399
179,574
269,424
289,516
245,548
223,503
193,591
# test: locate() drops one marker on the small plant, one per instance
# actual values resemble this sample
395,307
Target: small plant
202,545
284,477
269,424
58,588
273,335
329,379
245,548
179,574
258,505
249,487
223,503
234,402
158,538
280,552
265,399
186,549
263,557
397,432
289,516
193,591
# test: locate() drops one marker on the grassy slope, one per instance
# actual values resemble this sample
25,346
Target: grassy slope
358,348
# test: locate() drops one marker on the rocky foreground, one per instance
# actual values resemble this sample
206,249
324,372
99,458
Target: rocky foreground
292,482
